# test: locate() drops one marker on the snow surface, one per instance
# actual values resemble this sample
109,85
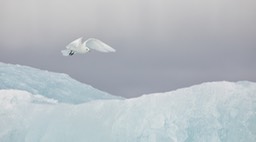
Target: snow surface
209,112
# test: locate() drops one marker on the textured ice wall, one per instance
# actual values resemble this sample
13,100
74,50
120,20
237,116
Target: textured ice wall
210,112
52,85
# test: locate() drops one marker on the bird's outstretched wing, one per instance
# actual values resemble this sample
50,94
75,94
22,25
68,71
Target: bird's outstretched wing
75,43
98,45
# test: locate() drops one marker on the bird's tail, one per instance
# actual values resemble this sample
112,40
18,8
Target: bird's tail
65,52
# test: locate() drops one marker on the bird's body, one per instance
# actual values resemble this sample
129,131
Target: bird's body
77,46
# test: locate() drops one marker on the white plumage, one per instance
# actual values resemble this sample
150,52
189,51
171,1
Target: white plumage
77,46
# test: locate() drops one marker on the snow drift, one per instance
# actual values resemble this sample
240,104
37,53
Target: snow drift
209,112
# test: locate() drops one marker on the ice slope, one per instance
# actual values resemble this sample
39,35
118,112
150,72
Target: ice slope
52,85
209,112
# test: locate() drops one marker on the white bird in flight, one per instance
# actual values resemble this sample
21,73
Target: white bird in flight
77,46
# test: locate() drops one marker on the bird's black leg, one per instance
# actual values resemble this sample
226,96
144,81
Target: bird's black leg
71,53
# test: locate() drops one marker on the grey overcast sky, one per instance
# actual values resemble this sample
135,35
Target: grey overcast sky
161,45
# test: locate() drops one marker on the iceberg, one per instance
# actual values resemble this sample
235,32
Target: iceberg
208,112
57,86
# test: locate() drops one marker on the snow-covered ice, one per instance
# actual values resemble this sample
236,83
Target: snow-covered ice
209,112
